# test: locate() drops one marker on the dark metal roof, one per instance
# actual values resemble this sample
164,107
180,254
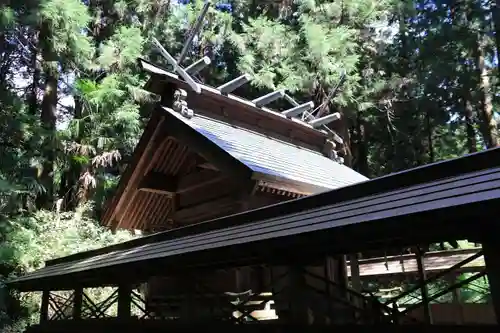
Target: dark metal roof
418,213
274,158
428,173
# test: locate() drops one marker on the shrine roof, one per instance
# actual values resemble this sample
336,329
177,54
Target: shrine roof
454,199
269,157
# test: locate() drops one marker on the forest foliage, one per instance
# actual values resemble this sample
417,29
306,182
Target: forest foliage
421,86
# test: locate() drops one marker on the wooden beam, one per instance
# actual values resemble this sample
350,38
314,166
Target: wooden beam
210,207
208,166
157,182
283,186
228,203
198,179
407,264
211,100
202,162
491,253
424,291
174,206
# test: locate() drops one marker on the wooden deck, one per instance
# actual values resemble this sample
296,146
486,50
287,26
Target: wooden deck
407,264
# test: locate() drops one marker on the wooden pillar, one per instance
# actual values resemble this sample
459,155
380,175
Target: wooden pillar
456,300
299,310
77,303
337,273
455,297
189,311
423,290
491,250
238,279
355,273
124,300
258,275
355,277
44,308
343,280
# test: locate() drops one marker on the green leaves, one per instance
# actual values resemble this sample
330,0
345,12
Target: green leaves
67,20
46,235
85,87
302,57
122,49
267,51
6,186
7,17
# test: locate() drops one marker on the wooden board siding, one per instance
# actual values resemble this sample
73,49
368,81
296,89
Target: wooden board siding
162,153
145,209
407,264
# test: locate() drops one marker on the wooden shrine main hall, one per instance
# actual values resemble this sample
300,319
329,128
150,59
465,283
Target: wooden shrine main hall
247,207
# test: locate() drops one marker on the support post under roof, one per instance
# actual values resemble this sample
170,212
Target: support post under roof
491,250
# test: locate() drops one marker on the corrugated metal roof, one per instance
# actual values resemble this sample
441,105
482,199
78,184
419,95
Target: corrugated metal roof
274,158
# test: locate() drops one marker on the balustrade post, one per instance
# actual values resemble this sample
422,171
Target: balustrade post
491,253
124,300
44,308
77,303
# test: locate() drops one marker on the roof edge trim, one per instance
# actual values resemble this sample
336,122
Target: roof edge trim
150,132
305,187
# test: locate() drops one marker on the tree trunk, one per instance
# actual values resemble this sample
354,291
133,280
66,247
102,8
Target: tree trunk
469,124
342,127
4,66
430,140
360,149
70,184
33,95
48,117
72,191
488,123
495,11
